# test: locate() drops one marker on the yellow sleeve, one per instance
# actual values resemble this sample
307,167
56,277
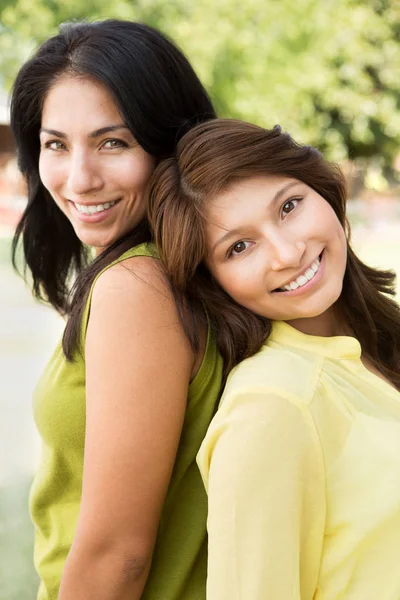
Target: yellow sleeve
262,465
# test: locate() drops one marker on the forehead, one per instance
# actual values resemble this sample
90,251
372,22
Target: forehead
75,100
246,193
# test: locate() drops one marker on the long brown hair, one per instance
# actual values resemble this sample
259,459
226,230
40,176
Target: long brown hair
210,158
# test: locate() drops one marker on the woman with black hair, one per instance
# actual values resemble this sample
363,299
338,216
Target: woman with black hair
125,401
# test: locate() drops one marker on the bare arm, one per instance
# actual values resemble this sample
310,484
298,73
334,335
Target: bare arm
138,368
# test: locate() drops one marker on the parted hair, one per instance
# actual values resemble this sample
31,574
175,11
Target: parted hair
210,158
159,97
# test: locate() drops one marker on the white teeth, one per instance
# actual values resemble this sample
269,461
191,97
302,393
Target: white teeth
301,280
315,265
93,208
309,274
304,278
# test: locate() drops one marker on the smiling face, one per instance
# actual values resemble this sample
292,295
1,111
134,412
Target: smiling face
277,248
90,162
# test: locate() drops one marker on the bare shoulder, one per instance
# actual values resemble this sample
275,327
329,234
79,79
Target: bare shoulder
136,296
139,274
135,291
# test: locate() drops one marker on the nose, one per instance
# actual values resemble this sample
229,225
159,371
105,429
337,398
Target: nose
286,252
84,175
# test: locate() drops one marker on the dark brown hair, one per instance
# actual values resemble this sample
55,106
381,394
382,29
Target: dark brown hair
210,158
159,97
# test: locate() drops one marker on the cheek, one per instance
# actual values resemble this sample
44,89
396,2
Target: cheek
135,175
329,219
330,230
221,275
49,175
238,280
337,232
342,240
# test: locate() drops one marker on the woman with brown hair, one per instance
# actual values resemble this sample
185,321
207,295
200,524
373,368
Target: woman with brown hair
302,460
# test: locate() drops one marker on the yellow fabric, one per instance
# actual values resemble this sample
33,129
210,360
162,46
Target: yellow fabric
302,468
178,569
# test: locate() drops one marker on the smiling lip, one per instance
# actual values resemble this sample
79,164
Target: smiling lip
94,217
304,288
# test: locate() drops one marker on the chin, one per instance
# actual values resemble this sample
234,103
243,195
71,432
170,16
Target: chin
96,241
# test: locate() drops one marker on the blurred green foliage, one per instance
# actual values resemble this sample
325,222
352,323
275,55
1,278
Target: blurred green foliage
327,70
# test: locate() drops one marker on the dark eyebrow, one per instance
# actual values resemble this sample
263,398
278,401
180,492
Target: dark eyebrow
59,134
233,232
275,199
93,134
283,190
107,129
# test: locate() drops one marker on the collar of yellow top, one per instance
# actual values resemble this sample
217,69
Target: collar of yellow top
345,347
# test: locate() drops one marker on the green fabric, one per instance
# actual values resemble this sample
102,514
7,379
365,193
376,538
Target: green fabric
179,564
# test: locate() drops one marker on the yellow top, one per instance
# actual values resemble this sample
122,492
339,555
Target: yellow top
302,468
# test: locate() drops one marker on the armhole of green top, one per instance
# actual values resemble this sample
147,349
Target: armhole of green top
146,249
208,365
210,357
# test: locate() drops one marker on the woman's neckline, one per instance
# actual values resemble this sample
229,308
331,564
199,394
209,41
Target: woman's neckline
340,346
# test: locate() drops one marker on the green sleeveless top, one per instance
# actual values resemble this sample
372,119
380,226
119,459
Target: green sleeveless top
179,563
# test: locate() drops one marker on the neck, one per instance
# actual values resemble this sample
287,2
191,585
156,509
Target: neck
329,324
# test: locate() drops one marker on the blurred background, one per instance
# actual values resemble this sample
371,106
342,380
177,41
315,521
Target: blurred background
328,71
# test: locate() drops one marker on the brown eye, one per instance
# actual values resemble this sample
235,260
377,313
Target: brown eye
238,248
290,205
114,143
54,145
